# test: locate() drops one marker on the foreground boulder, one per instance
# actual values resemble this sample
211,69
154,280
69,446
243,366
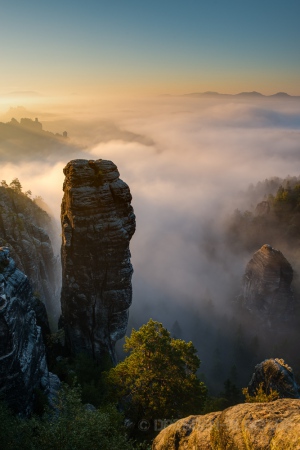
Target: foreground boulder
267,293
23,366
259,426
97,225
276,375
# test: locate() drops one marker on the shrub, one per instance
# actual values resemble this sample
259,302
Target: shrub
260,395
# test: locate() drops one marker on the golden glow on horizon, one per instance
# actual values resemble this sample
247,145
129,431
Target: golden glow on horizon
154,84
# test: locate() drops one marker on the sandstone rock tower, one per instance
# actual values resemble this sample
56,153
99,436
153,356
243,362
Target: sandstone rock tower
97,224
267,292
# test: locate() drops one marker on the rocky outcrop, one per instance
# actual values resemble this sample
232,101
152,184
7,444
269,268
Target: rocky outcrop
262,209
23,366
276,375
267,292
97,225
27,141
29,232
259,426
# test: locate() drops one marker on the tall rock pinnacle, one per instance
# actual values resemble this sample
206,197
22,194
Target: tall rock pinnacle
267,292
97,224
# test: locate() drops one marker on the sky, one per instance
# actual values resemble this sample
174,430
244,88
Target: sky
137,48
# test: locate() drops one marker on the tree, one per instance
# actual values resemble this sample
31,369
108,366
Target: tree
74,427
158,379
70,426
16,185
88,373
231,393
9,424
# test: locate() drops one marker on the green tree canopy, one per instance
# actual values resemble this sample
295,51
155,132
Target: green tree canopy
16,185
69,427
158,379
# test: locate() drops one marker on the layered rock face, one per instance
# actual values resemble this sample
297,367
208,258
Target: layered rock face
23,366
259,426
29,233
267,292
97,225
274,374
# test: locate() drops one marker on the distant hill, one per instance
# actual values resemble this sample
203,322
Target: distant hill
252,94
28,140
281,94
206,94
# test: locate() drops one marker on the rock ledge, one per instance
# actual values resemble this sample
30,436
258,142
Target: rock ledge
259,426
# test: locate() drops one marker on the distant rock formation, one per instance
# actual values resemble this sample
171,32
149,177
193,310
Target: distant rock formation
29,232
28,141
97,225
267,292
32,125
23,366
259,426
274,374
263,208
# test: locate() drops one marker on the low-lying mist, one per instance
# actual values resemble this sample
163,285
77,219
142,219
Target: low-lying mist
189,163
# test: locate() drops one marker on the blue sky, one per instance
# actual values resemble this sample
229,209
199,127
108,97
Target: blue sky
150,47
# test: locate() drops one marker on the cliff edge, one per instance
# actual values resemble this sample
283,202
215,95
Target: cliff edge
28,231
23,366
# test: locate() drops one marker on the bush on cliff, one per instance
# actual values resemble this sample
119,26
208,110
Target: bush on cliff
260,395
88,373
77,428
70,427
9,424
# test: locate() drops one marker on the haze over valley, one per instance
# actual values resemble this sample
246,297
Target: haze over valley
189,163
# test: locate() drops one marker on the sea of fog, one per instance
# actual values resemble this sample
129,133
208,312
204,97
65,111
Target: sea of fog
189,163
